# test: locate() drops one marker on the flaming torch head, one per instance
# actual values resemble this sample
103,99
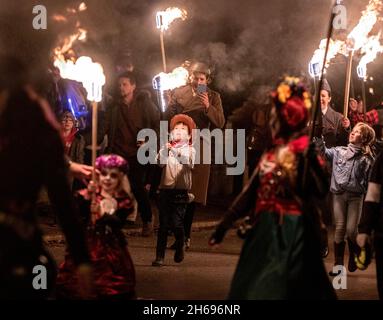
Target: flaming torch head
169,81
370,50
165,18
93,78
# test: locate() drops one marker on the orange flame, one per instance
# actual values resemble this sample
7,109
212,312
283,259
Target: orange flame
357,39
371,49
59,18
59,52
335,47
359,35
177,78
84,70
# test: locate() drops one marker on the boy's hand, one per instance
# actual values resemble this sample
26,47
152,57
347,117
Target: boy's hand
168,145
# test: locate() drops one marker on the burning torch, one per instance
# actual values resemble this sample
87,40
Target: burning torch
163,21
92,77
93,83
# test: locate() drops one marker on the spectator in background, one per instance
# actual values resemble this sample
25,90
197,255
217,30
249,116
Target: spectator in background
133,112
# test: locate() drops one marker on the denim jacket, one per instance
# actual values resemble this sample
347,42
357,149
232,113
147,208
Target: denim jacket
350,167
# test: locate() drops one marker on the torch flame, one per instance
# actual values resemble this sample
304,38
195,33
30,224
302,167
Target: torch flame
177,78
84,70
357,39
169,81
359,35
334,48
68,42
59,18
165,18
371,49
82,6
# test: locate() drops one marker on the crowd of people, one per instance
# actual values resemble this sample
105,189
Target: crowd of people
295,186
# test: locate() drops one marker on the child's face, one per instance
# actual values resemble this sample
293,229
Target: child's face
356,136
67,123
110,179
181,132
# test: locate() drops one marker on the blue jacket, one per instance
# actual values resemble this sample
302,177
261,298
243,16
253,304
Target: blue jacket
350,167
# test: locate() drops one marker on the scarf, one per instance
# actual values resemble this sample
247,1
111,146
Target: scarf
179,143
68,140
352,150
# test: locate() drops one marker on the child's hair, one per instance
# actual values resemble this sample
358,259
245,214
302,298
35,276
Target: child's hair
368,137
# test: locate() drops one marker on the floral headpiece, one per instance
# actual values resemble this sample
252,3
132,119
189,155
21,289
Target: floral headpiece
109,161
292,100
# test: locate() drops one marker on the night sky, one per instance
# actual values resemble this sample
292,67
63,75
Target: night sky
247,42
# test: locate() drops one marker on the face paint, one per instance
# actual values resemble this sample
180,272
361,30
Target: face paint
110,179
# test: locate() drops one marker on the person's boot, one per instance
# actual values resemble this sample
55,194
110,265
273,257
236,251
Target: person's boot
338,255
180,238
162,239
324,242
353,250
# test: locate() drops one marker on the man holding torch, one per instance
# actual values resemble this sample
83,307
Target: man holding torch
204,106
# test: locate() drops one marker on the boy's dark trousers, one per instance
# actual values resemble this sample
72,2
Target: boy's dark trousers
172,208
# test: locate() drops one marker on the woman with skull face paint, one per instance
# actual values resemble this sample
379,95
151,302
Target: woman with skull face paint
281,256
105,207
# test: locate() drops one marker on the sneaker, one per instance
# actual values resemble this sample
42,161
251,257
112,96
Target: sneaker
159,262
147,229
187,244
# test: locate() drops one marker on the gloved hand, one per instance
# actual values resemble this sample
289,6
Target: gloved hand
362,239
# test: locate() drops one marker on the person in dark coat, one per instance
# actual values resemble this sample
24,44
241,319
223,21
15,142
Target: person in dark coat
32,156
124,119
